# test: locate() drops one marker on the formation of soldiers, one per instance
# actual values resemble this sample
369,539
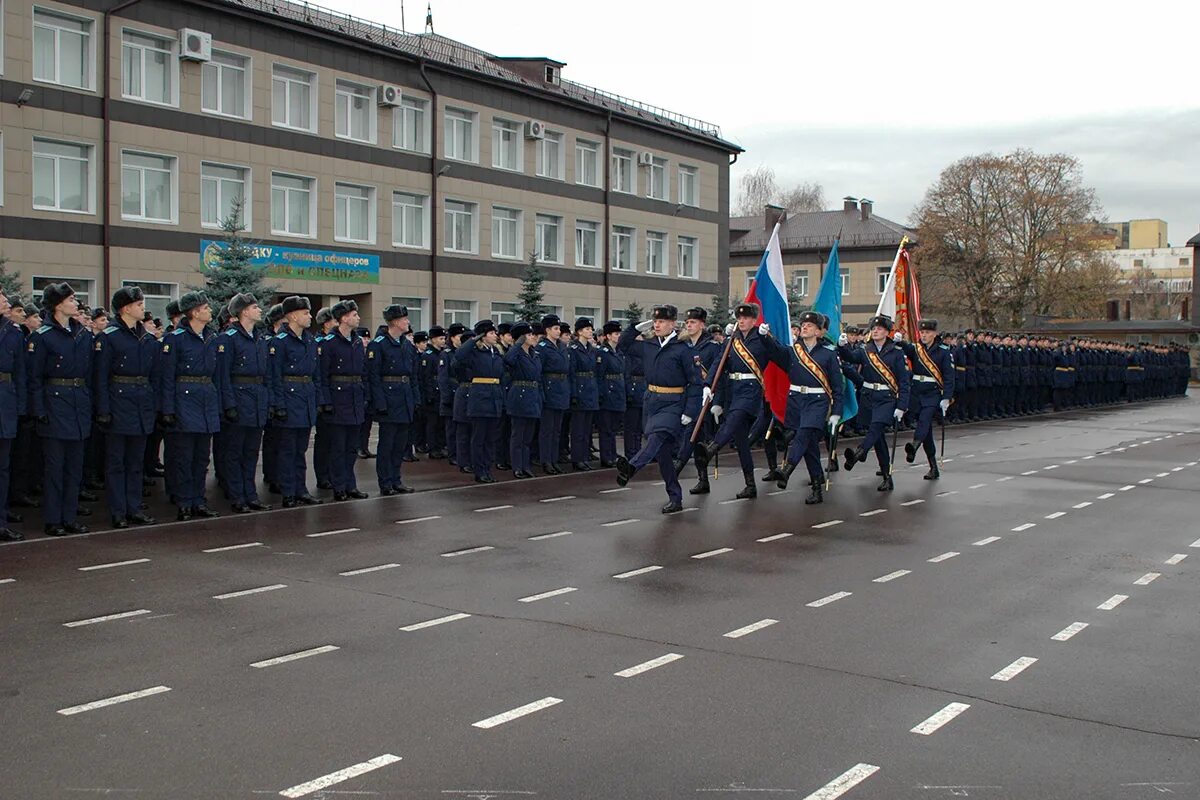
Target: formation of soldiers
95,398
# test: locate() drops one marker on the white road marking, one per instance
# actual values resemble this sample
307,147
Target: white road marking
1089,458
1175,559
943,557
1195,543
114,564
1104,496
365,570
330,533
1052,466
1005,478
756,626
844,782
341,776
1176,469
1148,578
1056,515
945,494
774,538
711,553
1126,488
1030,472
112,701
1162,475
491,508
1135,444
429,623
734,500
977,486
617,522
988,540
989,452
557,499
635,572
912,502
108,617
1112,602
619,489
232,547
873,513
244,592
829,524
832,598
315,651
14,580
939,719
509,716
539,537
970,455
1084,504
533,598
1024,526
1145,480
891,576
778,491
1072,461
948,460
417,519
1117,450
1014,669
468,551
648,665
1069,631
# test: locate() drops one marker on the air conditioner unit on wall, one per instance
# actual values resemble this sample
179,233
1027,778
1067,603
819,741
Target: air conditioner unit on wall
389,95
645,158
535,129
195,45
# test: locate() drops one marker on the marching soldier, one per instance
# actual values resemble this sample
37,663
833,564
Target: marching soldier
523,402
243,372
482,367
585,393
343,397
706,354
13,400
635,393
295,387
933,376
392,370
885,395
610,376
556,393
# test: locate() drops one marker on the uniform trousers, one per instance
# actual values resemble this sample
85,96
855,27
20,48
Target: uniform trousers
242,443
633,430
735,427
880,413
291,469
520,443
502,433
463,438
124,457
272,447
344,442
61,475
218,459
451,434
190,457
483,444
389,455
609,422
435,432
549,434
924,432
806,444
364,435
661,446
6,451
417,433
581,435
321,453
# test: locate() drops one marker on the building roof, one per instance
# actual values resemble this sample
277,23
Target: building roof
1194,241
817,230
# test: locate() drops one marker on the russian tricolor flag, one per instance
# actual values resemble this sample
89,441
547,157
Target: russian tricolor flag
769,292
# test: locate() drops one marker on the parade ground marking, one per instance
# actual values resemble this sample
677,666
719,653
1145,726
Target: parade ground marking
711,553
912,502
1147,579
945,494
611,491
1014,669
232,547
635,572
891,576
1052,466
939,719
106,618
341,776
829,524
1127,488
555,535
826,600
1024,526
1146,480
977,486
115,564
468,551
533,598
315,651
429,623
844,782
330,533
1104,496
417,519
943,557
1072,461
516,713
615,523
653,663
8,580
1084,504
1056,515
751,628
1005,478
1175,559
873,513
1162,475
1029,472
491,508
1069,631
1195,543
557,499
988,540
244,592
1112,602
112,701
774,538
365,570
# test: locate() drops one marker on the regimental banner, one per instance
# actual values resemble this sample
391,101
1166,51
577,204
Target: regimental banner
297,263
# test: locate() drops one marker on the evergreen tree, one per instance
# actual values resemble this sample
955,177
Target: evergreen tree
529,299
227,267
720,313
10,282
633,313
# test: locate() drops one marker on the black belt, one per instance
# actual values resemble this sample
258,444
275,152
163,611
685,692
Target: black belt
529,384
297,378
396,379
614,376
193,379
585,374
136,380
346,378
66,382
5,377
247,378
637,378
555,375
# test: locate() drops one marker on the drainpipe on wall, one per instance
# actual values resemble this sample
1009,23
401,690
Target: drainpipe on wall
607,223
433,198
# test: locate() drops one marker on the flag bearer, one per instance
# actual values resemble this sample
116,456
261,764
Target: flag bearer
885,393
933,377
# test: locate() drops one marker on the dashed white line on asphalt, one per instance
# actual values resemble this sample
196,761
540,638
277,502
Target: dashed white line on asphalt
977,486
891,576
945,494
1024,527
1014,669
533,598
1175,559
1104,496
1162,475
912,502
244,592
232,547
948,460
112,701
943,557
1145,480
315,651
751,628
989,452
646,666
1056,515
1052,466
844,782
1088,458
417,519
1193,463
1005,478
341,776
829,524
873,513
468,551
1030,472
8,580
1112,602
365,570
557,499
509,716
827,599
939,719
1084,504
429,623
969,455
1072,461
711,553
611,491
106,618
777,491
1069,631
733,500
330,533
1195,543
115,564
1127,488
491,508
1117,450
776,537
554,535
617,522
635,572
988,540
1135,444
1176,469
1148,578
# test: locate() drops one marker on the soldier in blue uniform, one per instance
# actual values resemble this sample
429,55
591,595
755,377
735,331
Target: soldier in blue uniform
343,400
28,446
1063,378
885,397
933,376
556,393
243,370
295,387
448,387
431,397
523,398
585,393
96,321
124,356
610,377
706,353
393,364
482,366
418,442
673,398
635,393
325,326
462,420
271,434
13,399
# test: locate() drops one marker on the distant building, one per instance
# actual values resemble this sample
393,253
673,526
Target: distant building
1136,234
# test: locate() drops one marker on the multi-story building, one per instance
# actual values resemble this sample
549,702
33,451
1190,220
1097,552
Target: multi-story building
1136,234
369,163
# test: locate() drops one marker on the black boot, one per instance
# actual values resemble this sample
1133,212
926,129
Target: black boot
817,495
852,457
886,484
701,486
910,452
751,490
672,507
833,465
784,474
934,473
625,471
772,475
703,452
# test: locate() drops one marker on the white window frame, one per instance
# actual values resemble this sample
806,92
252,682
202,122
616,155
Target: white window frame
89,159
542,224
83,287
423,204
597,251
844,274
346,92
247,70
447,321
341,201
685,243
618,232
312,204
585,150
455,119
142,51
624,163
507,136
89,58
591,312
881,279
470,211
663,241
689,178
657,173
503,314
158,300
505,216
291,74
800,282
418,109
416,310
247,188
557,163
173,173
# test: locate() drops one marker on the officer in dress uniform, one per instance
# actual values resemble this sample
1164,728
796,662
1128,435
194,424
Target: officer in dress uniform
124,356
13,400
523,399
462,420
393,365
295,387
325,326
610,377
933,376
502,432
431,396
343,398
585,393
271,435
418,442
482,367
673,398
448,388
635,392
885,397
96,321
243,371
556,393
706,353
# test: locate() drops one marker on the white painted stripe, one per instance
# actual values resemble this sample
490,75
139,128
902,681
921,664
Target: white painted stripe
1052,466
1135,444
1117,450
1069,631
989,452
943,557
533,598
1084,504
244,592
776,537
1056,515
316,651
734,500
939,719
912,502
509,716
341,776
549,536
844,782
610,491
1072,461
617,522
1126,488
1162,475
1147,579
491,508
1176,469
1005,478
873,513
829,524
1104,496
112,701
468,551
1088,458
1146,480
557,499
945,494
330,533
1175,559
114,564
756,626
832,598
1193,463
1014,669
634,572
1025,526
711,553
778,491
232,547
947,460
891,576
417,519
969,455
429,623
123,615
1112,602
988,540
1195,543
977,486
1029,472
365,570
8,580
653,663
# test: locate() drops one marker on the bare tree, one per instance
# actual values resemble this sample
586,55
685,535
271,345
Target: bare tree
760,187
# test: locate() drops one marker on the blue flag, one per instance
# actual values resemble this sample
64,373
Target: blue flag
829,303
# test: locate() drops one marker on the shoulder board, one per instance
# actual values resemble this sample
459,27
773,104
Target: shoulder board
377,339
944,347
574,345
43,329
177,332
231,332
111,329
282,335
829,347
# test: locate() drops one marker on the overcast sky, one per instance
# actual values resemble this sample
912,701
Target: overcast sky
874,99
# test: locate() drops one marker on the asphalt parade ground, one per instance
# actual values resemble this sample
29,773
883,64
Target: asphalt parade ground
1025,627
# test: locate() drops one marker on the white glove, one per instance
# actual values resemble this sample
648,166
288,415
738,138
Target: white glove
717,411
899,414
729,329
944,405
897,336
706,395
834,419
685,420
644,325
764,329
843,339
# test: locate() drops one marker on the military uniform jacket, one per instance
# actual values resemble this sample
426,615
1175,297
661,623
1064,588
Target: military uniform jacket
14,396
925,362
58,355
124,362
669,364
635,379
343,378
741,388
462,389
523,397
1064,376
982,358
187,389
483,367
892,358
556,367
427,377
393,367
818,368
295,378
1134,369
611,379
447,383
585,364
243,373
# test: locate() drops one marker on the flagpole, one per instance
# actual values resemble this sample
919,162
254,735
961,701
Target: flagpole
891,281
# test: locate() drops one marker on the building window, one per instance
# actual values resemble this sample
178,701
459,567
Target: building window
689,181
292,209
354,111
622,248
62,49
409,220
147,187
225,86
148,68
656,253
881,278
549,239
221,188
688,255
416,311
354,213
157,295
550,156
457,311
591,312
506,232
62,176
1184,262
506,145
658,178
504,312
844,274
587,243
624,179
587,163
293,98
749,281
800,282
410,126
460,135
82,287
1137,262
460,227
